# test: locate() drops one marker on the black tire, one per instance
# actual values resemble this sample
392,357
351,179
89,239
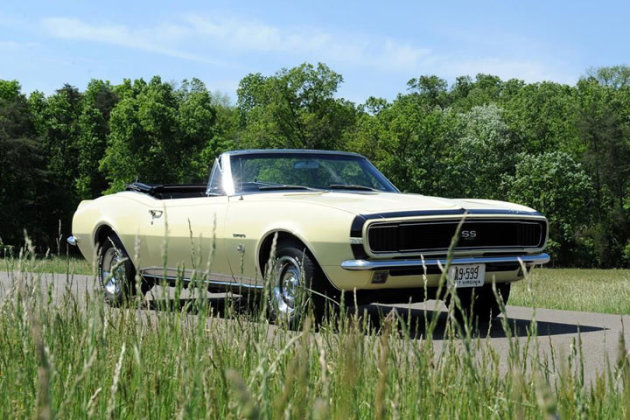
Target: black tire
116,272
295,284
479,304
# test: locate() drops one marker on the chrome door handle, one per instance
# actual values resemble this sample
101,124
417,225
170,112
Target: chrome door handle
156,214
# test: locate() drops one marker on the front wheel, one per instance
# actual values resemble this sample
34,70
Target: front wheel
116,272
295,284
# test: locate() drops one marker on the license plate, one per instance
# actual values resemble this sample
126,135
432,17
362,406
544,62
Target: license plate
467,275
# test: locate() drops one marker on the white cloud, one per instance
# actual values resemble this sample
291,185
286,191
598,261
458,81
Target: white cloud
194,37
14,45
404,55
9,45
253,36
203,35
156,39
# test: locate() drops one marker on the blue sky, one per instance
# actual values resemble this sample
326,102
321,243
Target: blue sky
376,46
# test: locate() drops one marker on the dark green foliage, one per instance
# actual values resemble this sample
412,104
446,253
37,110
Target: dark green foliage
604,128
565,150
59,132
99,100
23,174
542,117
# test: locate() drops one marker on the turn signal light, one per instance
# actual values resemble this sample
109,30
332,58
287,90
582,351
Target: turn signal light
380,277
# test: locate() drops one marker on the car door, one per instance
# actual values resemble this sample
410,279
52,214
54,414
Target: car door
246,220
187,235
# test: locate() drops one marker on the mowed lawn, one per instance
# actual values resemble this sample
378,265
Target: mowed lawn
51,264
592,290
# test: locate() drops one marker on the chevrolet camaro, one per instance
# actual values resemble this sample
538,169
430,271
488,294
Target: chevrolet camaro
324,221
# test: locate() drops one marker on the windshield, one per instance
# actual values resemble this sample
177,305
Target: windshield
304,171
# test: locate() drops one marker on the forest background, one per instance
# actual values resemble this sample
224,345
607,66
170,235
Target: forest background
564,150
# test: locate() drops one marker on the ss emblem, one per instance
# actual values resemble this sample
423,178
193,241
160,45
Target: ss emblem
469,234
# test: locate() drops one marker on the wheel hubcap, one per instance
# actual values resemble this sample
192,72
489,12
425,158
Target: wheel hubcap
287,274
113,271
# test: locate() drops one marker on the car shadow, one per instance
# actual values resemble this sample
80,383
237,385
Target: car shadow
417,323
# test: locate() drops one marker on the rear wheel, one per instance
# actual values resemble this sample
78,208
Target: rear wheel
480,304
117,273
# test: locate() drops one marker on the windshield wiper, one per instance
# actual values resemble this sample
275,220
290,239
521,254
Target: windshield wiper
351,187
285,187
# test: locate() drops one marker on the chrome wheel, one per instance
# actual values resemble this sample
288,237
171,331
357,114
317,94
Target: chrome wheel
287,276
295,285
113,272
116,272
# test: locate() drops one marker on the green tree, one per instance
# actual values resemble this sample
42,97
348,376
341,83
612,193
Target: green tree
99,100
23,175
556,185
483,153
142,143
60,116
374,106
57,121
604,127
225,132
366,134
486,89
159,134
542,116
412,143
615,77
197,120
294,108
432,90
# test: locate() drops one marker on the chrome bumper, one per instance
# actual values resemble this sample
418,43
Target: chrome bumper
363,265
72,240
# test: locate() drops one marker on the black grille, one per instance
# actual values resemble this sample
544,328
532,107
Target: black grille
437,236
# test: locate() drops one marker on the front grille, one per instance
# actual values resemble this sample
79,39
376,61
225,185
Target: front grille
437,236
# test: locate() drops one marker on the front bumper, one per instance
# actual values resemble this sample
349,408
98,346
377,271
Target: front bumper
373,265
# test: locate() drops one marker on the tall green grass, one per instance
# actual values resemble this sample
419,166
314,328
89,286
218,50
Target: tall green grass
71,356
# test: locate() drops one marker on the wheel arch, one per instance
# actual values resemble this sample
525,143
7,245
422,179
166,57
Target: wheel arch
101,232
266,243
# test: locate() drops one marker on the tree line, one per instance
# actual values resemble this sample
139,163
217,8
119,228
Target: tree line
564,150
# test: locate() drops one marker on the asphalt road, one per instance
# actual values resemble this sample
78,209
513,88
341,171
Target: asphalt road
598,333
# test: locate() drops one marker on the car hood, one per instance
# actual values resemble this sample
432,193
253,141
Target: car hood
370,203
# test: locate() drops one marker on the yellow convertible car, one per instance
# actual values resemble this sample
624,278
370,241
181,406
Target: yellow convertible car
290,220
